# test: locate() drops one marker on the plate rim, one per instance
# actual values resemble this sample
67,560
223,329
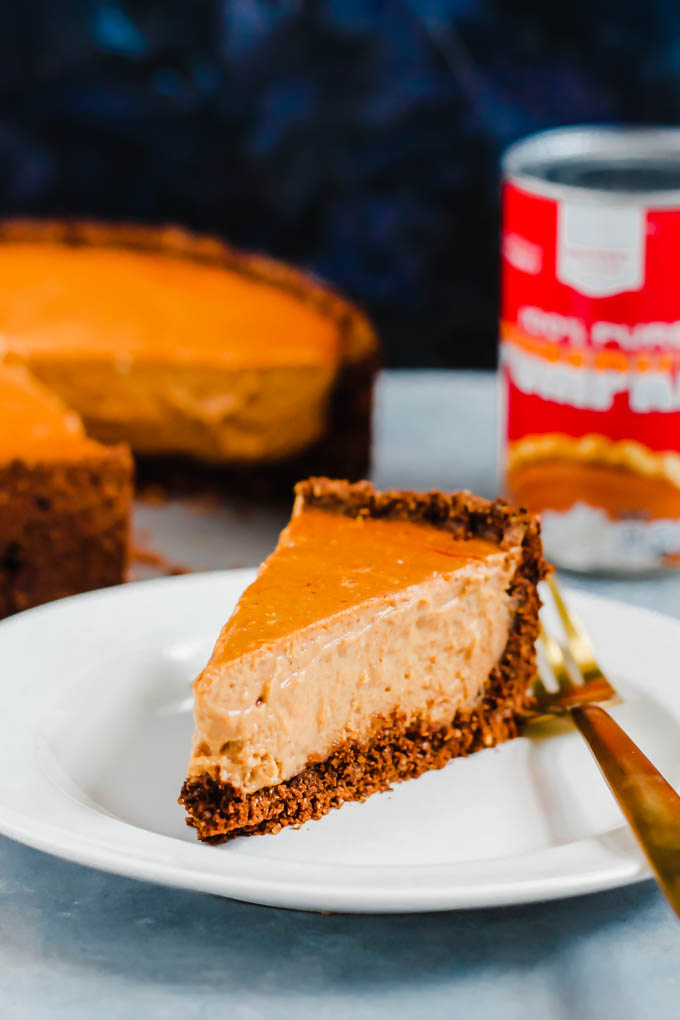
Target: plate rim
307,893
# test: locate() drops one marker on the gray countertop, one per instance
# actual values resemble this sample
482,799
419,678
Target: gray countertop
79,943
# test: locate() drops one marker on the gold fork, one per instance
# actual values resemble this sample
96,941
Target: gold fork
650,804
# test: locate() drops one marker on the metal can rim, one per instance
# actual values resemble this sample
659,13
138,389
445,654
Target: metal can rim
583,140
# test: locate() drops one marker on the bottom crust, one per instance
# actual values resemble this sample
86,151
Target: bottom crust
400,749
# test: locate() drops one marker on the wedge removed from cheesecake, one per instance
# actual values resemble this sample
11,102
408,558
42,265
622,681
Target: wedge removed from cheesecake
386,634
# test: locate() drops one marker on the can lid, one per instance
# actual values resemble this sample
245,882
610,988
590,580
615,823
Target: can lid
631,165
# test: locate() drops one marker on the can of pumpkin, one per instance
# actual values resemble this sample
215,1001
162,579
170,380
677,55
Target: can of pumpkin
590,343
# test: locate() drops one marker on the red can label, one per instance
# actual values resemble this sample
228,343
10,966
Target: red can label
590,365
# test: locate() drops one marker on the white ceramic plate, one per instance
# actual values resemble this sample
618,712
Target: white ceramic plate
94,736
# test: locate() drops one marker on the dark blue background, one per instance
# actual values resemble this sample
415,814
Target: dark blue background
355,137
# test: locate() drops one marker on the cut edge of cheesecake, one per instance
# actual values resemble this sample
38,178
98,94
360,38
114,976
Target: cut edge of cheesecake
65,501
399,747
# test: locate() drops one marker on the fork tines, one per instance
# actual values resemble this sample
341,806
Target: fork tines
576,659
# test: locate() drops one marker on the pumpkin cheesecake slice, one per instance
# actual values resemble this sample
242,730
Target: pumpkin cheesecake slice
187,349
65,499
386,634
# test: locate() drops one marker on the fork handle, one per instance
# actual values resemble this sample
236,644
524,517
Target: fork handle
650,804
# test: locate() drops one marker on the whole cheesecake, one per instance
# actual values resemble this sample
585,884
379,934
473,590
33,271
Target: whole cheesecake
188,350
386,634
201,360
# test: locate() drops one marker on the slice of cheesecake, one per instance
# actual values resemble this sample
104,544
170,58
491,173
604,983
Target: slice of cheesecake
387,633
65,500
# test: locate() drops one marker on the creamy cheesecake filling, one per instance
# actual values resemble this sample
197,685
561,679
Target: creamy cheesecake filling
60,302
426,650
210,413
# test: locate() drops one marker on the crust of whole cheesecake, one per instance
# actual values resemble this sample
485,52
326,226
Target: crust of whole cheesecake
64,526
344,450
398,748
